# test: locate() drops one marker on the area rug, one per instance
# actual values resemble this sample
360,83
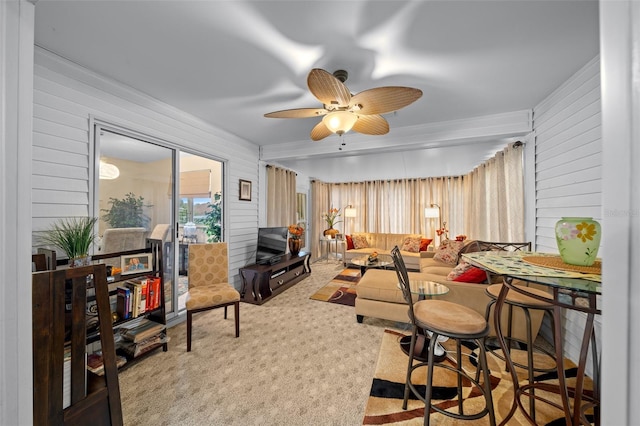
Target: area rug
384,406
341,289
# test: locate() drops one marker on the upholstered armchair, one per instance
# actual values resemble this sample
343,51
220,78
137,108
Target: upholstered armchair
121,239
208,284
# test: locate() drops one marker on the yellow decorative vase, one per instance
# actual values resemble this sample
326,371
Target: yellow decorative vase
578,240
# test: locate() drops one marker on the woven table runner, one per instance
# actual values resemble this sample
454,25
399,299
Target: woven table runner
556,262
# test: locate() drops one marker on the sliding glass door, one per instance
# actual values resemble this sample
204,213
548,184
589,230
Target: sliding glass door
134,197
138,197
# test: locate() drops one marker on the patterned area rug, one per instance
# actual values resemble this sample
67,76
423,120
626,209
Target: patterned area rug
385,401
341,289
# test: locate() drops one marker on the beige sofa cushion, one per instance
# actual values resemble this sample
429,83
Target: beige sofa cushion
380,285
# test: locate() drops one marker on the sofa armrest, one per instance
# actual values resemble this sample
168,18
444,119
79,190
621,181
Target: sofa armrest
427,254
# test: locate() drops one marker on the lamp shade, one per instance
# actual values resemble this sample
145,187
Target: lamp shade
339,121
108,171
431,212
349,212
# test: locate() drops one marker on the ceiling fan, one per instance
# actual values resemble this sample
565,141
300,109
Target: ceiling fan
343,111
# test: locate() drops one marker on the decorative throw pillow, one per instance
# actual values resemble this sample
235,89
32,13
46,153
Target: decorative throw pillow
460,269
473,275
411,244
349,242
448,252
360,241
424,243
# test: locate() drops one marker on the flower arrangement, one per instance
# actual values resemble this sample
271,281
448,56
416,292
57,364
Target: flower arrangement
443,231
331,217
296,232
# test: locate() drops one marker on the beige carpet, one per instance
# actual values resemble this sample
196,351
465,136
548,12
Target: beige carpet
296,362
385,403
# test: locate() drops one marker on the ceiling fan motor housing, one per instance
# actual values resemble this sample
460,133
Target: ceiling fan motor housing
341,75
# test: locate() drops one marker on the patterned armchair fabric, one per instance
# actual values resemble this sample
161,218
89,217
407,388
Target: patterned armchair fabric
208,283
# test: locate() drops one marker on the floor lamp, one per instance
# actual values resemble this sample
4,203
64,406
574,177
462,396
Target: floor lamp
432,213
349,212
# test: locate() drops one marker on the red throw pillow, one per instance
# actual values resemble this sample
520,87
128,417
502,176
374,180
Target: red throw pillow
349,242
472,275
424,243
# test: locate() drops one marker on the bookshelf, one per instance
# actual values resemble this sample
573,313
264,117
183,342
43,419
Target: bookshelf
150,314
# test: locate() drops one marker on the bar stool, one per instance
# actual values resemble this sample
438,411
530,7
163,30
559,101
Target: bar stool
526,303
456,322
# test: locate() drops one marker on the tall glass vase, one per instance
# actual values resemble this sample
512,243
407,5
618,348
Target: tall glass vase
578,240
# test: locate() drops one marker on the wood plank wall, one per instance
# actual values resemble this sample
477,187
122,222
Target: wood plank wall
568,169
66,96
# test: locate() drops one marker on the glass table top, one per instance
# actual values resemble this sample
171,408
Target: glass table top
510,264
383,260
427,288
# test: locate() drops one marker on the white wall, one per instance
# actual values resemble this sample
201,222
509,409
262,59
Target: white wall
620,44
16,115
429,162
568,171
65,97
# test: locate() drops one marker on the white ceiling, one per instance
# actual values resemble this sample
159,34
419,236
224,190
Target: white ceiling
229,62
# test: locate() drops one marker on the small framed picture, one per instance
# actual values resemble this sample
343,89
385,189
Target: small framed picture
245,190
339,237
136,263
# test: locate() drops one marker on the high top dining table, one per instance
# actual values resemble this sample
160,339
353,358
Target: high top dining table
570,289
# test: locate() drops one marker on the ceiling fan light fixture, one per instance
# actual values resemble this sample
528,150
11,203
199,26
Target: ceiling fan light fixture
340,122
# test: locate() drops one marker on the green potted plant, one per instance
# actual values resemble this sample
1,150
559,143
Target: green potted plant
127,212
213,219
74,236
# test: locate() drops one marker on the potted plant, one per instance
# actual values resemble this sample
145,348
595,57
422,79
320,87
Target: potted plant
332,218
213,219
127,212
74,236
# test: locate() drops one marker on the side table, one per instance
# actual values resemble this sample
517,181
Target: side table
325,243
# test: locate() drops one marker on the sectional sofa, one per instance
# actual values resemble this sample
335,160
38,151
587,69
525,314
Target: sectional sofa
383,243
379,296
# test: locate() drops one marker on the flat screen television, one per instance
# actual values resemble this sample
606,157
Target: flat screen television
272,244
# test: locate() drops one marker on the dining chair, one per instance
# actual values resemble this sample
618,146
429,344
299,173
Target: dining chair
456,322
209,286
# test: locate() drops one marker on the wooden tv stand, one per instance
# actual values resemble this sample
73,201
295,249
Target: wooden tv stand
262,282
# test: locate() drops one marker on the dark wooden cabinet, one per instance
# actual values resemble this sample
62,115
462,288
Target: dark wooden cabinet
262,282
59,326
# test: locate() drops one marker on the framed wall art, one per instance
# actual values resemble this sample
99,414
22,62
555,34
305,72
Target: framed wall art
245,190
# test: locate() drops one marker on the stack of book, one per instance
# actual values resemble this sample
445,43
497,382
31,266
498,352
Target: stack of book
141,336
137,296
96,365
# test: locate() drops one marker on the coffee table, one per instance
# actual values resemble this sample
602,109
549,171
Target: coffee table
364,263
424,289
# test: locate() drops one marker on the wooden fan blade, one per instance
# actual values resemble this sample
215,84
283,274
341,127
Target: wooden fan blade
328,89
320,131
297,113
383,99
371,125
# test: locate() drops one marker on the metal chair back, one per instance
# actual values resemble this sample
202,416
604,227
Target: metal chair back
403,279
